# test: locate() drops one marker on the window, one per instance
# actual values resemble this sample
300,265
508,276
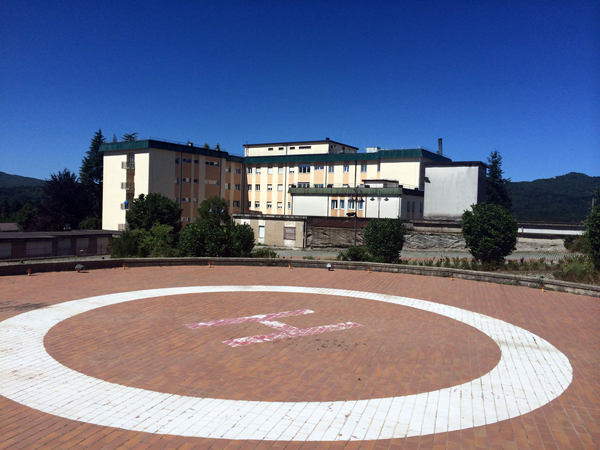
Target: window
280,188
249,187
257,187
304,147
227,186
176,160
378,167
269,204
269,187
279,205
360,205
211,181
330,169
211,163
280,170
342,204
176,181
261,231
196,180
346,169
317,167
228,169
258,171
270,148
186,180
236,187
292,148
289,205
303,185
350,204
289,233
257,204
249,205
185,219
292,170
238,170
363,168
187,160
236,203
249,169
195,200
303,168
319,185
196,161
185,199
269,171
334,204
280,148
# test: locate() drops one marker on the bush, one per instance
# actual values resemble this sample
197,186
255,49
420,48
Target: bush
242,240
354,253
490,233
264,252
128,245
160,241
575,243
384,239
149,210
592,234
577,269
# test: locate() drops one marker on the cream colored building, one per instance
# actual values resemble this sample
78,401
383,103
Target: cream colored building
318,178
183,173
306,178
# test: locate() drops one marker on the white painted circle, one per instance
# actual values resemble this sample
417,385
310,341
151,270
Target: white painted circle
531,372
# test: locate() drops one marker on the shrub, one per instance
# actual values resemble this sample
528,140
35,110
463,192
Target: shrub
384,239
354,253
575,243
160,241
128,245
264,252
592,234
490,233
577,269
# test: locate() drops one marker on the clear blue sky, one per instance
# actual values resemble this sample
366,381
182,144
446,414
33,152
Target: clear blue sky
522,77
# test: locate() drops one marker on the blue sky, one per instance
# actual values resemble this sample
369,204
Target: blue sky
522,77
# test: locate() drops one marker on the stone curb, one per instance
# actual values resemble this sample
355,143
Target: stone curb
490,277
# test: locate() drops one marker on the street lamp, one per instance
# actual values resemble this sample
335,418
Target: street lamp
357,198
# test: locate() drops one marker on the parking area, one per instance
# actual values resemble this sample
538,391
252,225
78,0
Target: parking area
264,357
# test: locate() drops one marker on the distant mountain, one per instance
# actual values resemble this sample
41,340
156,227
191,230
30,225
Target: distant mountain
7,180
566,198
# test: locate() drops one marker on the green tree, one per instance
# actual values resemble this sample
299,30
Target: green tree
490,232
128,245
384,239
90,176
592,232
27,217
497,191
114,139
149,210
160,241
215,234
129,137
64,205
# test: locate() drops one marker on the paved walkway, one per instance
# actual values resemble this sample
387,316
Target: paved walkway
264,357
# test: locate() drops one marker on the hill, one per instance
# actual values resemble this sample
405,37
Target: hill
566,198
9,181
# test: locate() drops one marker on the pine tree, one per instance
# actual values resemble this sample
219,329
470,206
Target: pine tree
129,137
90,176
497,191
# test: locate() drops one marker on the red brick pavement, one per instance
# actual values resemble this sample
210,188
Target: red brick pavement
397,351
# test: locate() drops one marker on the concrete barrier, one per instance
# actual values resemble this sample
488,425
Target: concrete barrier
490,277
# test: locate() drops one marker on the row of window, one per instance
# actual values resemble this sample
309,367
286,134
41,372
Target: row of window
341,204
195,180
305,168
208,163
289,233
269,187
269,205
302,147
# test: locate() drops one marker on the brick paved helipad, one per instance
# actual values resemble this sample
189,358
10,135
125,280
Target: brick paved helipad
244,357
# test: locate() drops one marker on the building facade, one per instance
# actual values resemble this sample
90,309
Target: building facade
307,178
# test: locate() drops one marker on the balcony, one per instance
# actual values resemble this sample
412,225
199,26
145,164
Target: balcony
129,165
125,206
127,186
123,227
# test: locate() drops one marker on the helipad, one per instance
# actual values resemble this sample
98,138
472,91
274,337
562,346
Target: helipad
240,357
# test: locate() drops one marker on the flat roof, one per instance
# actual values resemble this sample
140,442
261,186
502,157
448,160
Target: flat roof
322,141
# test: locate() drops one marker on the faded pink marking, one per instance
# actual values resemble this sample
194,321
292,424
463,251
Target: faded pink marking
290,333
258,318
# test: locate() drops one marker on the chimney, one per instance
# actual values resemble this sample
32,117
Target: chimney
440,152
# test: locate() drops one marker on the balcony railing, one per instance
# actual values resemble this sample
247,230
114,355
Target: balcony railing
125,205
127,186
123,227
129,165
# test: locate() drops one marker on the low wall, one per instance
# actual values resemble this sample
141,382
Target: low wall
491,277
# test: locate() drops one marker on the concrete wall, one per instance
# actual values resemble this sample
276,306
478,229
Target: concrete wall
451,190
112,194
